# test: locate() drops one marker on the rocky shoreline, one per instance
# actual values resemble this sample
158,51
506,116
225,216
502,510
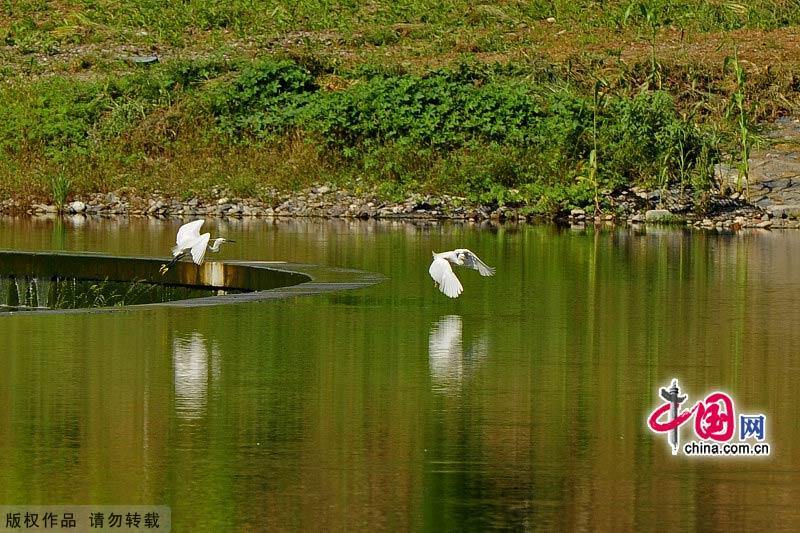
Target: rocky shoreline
772,200
627,206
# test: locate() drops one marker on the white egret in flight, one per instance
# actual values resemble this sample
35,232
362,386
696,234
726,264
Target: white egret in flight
190,242
442,273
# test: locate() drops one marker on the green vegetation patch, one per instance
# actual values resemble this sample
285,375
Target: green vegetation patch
44,25
493,134
513,132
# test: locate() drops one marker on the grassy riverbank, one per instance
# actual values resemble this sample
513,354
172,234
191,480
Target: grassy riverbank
491,102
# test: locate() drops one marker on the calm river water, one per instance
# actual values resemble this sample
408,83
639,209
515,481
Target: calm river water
521,404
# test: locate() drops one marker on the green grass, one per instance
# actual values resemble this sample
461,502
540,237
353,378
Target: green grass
742,115
478,131
487,101
47,24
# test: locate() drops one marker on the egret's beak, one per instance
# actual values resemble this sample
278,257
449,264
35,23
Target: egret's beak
229,240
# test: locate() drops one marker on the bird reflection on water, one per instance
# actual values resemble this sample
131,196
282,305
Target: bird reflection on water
449,362
192,363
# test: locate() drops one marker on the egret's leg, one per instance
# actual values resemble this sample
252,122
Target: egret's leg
165,267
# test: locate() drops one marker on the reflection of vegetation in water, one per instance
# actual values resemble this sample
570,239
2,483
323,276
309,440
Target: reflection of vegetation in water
59,293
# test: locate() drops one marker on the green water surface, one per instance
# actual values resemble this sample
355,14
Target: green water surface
521,404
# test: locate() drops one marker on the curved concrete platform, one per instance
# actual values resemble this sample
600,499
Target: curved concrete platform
262,280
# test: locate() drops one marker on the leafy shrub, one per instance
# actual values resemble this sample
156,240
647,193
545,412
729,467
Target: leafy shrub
429,111
58,114
263,99
488,133
637,136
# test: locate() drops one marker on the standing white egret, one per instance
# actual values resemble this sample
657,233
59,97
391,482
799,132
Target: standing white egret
190,242
442,273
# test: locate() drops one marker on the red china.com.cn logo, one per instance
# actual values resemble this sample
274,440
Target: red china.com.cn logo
714,425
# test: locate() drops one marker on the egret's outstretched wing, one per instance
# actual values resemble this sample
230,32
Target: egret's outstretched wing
442,273
199,248
188,233
473,261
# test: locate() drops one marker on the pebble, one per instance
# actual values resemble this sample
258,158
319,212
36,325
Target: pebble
659,215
